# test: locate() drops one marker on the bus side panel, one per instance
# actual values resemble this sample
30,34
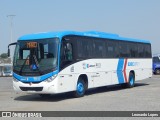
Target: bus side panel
141,67
98,71
103,72
67,80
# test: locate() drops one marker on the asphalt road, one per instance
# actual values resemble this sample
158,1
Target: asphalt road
145,96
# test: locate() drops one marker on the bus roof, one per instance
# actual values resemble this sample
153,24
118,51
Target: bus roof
88,33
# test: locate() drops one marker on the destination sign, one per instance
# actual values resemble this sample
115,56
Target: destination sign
31,44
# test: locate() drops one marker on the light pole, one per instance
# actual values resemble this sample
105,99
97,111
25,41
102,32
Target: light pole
11,30
11,26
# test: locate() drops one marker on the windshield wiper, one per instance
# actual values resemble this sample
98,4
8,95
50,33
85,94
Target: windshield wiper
37,64
36,61
20,72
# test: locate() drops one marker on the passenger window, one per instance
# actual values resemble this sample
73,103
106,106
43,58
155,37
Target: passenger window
66,54
141,51
68,51
98,49
123,49
112,50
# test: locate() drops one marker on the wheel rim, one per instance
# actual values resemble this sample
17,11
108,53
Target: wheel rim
80,88
131,81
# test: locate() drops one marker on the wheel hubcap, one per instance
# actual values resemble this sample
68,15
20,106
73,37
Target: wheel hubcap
80,88
131,80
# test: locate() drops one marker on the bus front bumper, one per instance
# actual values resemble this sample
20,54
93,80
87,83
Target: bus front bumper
43,87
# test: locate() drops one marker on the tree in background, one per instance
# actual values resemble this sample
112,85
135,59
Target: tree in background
4,55
5,59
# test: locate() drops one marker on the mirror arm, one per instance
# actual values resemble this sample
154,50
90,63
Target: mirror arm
15,43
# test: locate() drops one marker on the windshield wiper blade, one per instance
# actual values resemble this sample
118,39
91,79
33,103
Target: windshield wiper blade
20,72
37,64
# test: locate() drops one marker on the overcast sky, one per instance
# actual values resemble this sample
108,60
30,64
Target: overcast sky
128,18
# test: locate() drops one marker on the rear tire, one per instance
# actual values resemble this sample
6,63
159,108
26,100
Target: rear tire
131,80
80,88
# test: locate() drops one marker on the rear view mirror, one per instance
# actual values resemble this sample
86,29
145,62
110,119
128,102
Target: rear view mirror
8,52
9,49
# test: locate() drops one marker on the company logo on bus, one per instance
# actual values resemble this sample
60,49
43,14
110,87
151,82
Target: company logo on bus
96,65
85,66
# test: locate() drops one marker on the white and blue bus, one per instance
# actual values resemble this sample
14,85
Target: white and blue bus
6,70
58,62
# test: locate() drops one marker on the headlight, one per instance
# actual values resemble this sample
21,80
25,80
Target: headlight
51,78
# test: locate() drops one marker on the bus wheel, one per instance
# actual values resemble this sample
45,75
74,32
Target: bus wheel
131,81
157,71
80,88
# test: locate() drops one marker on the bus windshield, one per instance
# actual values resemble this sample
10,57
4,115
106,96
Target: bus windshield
156,59
35,57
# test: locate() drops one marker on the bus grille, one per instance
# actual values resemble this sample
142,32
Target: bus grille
32,82
31,88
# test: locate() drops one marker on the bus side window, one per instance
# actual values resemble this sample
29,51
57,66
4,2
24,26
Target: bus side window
66,54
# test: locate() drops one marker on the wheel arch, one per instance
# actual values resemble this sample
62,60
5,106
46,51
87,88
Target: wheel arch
84,77
133,72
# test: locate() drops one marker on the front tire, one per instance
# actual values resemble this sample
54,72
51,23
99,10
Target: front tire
131,81
80,88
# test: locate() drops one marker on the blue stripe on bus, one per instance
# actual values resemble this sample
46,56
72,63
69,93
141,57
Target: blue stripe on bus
34,79
120,71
